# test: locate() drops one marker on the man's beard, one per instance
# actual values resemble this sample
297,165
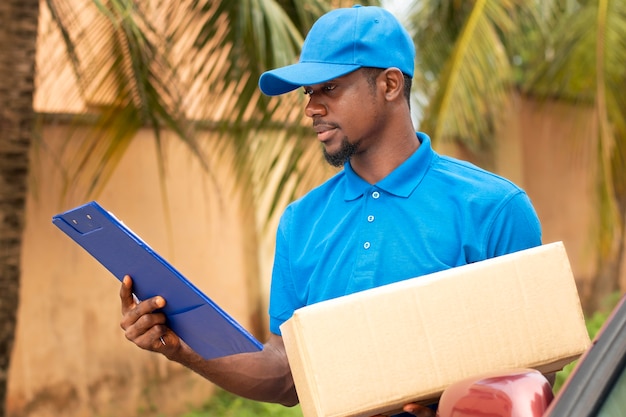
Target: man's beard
340,157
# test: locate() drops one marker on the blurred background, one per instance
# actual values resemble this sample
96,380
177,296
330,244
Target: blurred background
152,109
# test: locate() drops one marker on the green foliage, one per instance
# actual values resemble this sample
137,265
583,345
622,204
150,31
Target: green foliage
594,324
224,404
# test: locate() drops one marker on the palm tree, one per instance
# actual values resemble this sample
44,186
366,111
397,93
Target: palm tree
18,34
475,55
179,66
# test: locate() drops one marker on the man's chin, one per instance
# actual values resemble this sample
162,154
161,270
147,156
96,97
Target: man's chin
339,157
336,159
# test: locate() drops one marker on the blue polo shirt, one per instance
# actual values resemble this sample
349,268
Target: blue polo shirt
431,213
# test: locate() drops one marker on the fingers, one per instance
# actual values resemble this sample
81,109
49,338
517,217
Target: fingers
141,324
129,304
150,332
135,323
158,339
418,410
126,294
415,409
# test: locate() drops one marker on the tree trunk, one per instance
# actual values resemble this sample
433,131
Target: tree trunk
18,37
610,265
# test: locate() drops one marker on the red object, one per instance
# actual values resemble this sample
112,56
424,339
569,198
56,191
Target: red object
510,393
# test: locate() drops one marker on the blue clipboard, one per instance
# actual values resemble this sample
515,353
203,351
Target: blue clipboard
193,316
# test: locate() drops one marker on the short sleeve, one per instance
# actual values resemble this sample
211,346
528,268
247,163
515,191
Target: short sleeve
283,297
515,227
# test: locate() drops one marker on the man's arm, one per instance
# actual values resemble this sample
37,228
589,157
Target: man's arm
262,376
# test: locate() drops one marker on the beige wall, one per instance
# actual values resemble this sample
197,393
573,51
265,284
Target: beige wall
550,148
70,356
559,154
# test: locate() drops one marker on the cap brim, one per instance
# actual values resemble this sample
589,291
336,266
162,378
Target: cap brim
286,79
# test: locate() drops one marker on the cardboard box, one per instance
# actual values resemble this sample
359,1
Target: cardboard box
374,351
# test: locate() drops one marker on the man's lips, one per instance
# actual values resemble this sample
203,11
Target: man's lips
324,131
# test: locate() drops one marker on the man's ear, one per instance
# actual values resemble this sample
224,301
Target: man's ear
394,83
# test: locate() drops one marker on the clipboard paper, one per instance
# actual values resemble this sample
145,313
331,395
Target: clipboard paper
192,315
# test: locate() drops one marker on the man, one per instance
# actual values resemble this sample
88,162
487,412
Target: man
396,211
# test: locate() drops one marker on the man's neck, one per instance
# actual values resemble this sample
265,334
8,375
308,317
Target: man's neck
378,161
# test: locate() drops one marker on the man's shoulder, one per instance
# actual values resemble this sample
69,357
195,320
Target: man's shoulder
469,175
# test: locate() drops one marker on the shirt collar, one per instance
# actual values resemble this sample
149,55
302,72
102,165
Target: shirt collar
401,181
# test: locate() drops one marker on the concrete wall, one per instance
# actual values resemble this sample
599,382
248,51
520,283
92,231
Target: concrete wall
71,357
550,149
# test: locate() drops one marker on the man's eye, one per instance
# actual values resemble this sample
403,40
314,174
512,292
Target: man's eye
325,89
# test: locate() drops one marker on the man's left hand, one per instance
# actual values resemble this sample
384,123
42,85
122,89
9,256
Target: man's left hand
416,410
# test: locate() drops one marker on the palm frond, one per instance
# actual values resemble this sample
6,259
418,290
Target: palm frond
234,43
583,63
471,85
187,65
125,79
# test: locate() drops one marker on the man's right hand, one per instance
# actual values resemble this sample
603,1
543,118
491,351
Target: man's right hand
144,325
262,376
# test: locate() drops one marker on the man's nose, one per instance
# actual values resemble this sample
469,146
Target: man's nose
314,108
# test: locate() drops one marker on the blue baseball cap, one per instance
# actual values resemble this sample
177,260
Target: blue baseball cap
342,41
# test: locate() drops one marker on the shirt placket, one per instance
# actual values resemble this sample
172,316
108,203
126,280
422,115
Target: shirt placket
368,241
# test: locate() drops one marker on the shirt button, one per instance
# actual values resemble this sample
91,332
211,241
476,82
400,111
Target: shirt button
375,194
366,245
370,218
